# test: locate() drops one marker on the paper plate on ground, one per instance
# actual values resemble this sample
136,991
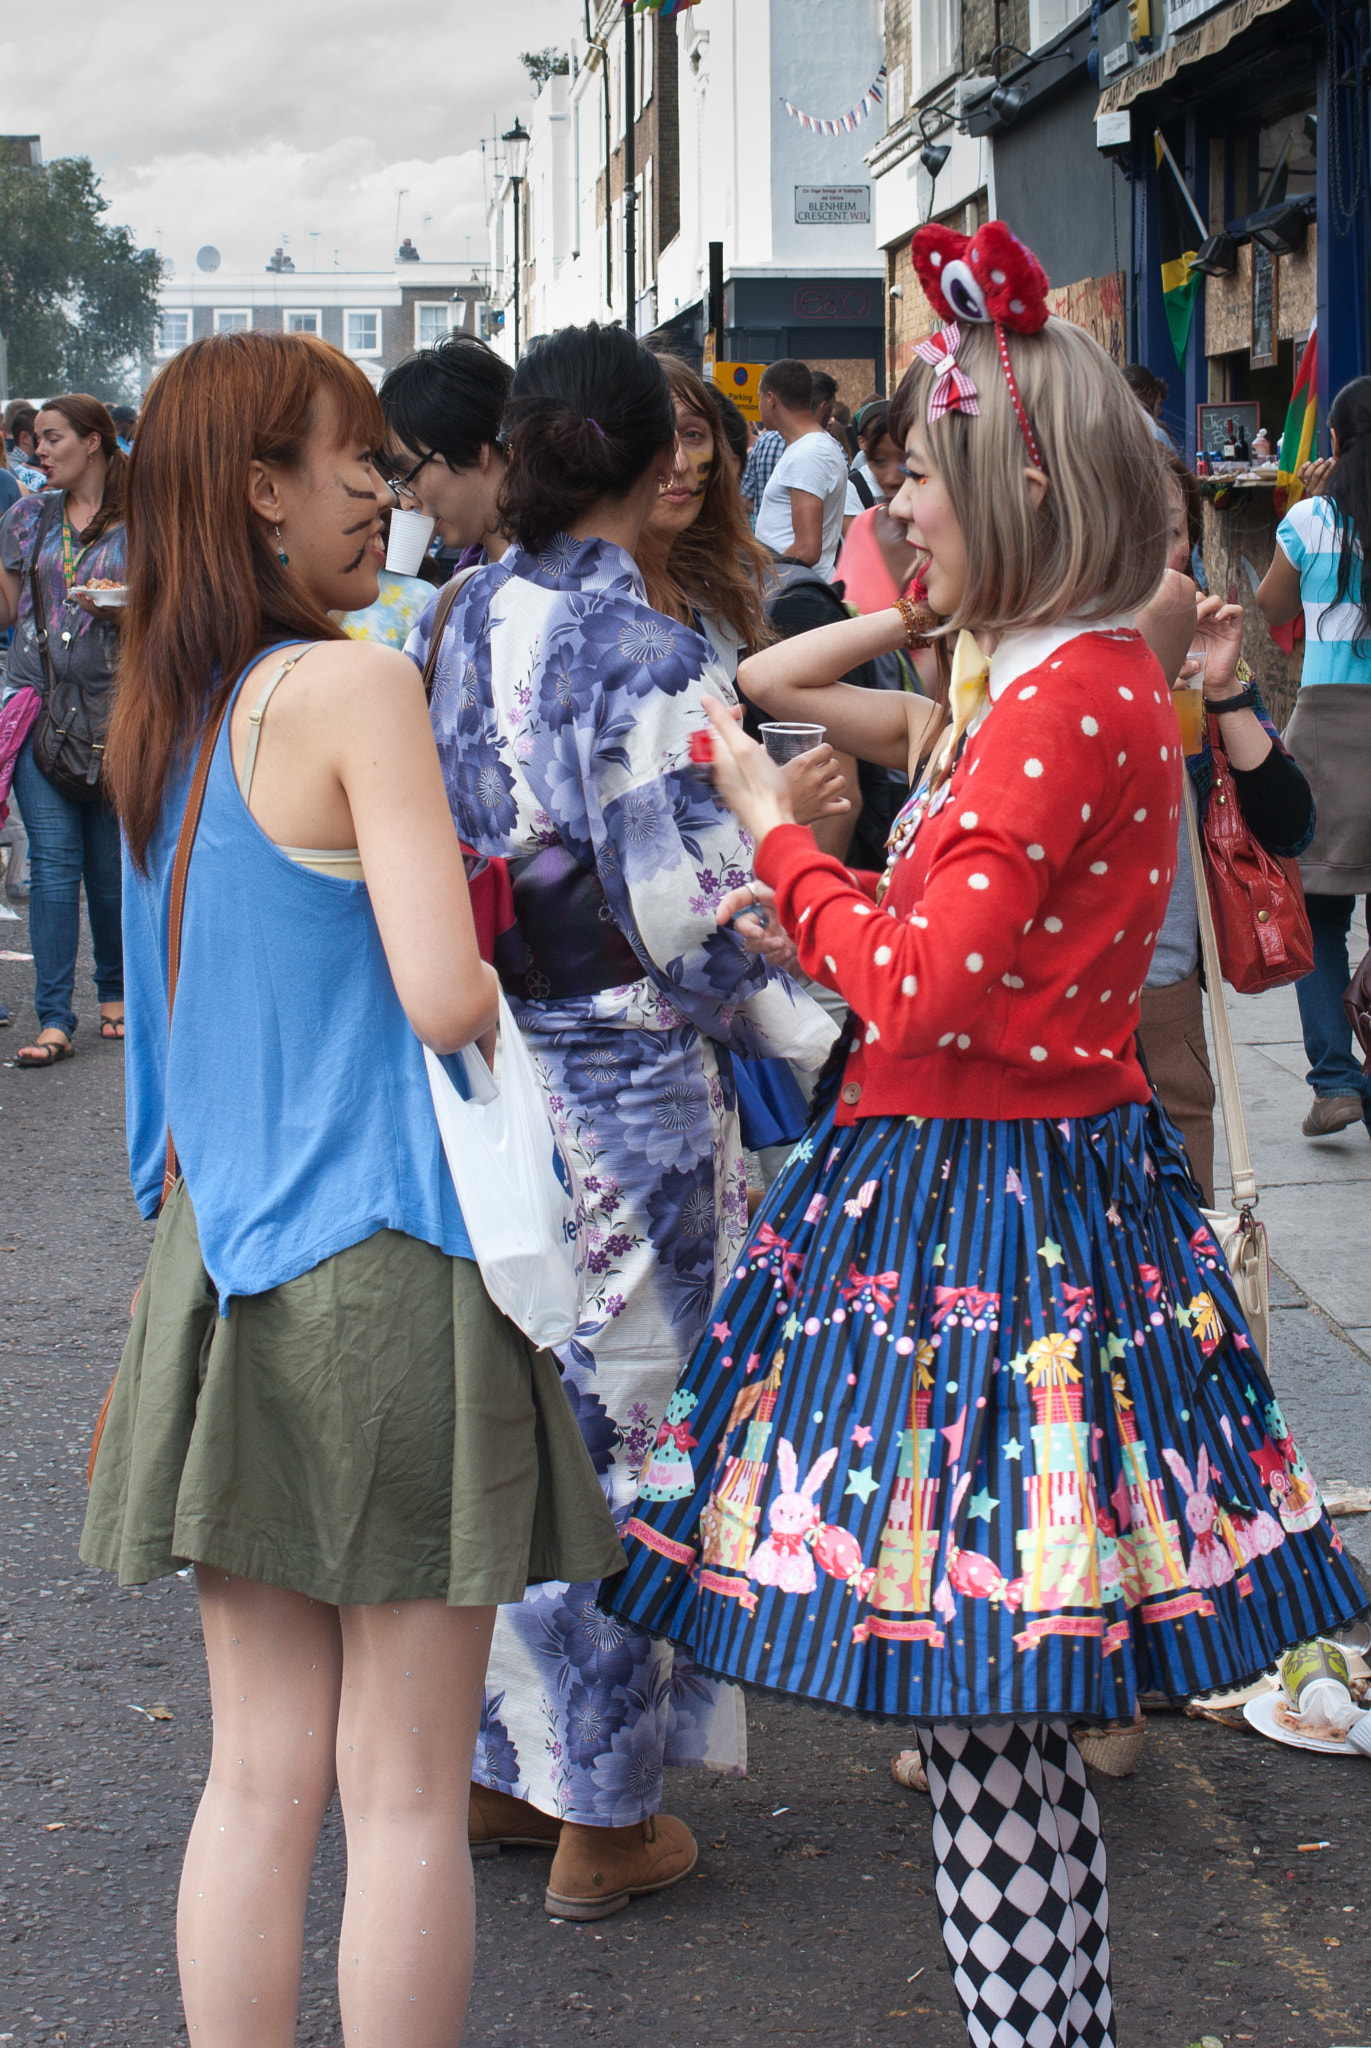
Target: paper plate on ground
1261,1713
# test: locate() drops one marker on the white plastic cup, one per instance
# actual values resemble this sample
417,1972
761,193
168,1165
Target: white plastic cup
784,742
410,534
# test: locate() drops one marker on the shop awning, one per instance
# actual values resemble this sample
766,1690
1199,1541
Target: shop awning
1205,41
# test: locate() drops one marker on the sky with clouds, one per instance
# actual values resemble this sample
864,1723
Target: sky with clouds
242,125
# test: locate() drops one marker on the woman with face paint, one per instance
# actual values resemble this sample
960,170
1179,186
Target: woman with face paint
318,1406
701,565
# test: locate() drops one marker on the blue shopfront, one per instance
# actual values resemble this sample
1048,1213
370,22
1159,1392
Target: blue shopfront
1262,111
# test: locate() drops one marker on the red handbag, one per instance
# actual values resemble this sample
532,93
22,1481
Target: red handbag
1257,897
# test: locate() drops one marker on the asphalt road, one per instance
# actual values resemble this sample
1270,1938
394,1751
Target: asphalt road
811,1916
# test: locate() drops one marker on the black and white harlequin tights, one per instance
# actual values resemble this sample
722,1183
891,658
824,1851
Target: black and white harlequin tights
1021,1884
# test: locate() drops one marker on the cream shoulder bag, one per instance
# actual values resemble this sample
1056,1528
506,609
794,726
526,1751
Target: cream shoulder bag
1241,1237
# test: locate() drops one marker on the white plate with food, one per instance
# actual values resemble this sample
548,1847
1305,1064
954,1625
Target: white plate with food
1271,1714
106,597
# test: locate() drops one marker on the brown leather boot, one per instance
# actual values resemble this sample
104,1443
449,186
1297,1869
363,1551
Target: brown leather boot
496,1820
596,1871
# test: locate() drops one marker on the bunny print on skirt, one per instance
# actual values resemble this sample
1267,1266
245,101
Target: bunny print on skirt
783,1559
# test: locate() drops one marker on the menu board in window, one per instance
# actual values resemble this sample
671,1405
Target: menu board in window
1263,341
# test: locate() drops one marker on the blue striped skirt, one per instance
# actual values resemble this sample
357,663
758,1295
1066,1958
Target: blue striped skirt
979,1431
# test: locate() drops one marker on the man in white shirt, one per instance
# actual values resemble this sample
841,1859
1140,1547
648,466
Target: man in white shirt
801,513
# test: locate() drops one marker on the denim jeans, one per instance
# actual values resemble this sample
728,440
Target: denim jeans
1334,1068
68,844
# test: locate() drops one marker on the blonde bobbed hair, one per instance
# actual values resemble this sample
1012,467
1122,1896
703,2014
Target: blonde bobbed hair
1098,542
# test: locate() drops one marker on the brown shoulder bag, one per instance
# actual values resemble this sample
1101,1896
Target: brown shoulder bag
180,867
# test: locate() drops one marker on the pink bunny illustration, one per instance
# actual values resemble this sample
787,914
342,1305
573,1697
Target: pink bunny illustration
783,1559
1211,1563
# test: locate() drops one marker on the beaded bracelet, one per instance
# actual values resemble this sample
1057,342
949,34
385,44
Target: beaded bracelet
919,620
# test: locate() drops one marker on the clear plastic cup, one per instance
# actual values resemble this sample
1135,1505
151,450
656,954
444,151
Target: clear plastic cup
410,534
784,742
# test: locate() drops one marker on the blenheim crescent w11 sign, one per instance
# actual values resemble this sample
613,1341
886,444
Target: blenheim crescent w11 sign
832,205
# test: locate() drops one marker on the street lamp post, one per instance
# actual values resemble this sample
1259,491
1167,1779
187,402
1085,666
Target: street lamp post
516,141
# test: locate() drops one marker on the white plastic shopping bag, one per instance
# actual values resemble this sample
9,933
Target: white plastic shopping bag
517,1188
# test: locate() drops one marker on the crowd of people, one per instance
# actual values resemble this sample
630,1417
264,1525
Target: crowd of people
909,1378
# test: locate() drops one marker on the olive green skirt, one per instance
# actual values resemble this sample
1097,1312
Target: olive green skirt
373,1430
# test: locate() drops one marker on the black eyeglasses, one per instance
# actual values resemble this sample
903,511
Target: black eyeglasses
401,487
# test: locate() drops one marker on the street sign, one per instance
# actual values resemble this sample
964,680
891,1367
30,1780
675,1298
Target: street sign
832,205
739,382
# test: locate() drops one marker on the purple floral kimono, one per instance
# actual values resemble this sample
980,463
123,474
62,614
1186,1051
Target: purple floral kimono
562,707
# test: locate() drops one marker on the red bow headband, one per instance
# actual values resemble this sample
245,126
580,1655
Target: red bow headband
988,278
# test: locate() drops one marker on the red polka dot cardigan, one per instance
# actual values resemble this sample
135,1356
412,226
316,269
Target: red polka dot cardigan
999,976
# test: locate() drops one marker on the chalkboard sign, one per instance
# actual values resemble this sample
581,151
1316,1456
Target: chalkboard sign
1213,421
1263,343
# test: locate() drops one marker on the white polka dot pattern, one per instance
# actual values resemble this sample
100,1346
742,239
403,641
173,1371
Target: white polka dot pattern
1000,898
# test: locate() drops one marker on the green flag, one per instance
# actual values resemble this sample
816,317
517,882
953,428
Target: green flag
1178,239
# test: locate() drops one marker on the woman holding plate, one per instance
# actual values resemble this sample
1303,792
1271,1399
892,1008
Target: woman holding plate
61,561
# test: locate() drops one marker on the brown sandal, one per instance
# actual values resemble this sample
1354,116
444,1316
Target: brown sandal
44,1055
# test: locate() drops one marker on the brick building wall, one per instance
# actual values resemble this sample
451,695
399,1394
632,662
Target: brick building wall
656,137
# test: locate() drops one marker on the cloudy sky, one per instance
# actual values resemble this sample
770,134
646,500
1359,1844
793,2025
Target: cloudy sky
245,124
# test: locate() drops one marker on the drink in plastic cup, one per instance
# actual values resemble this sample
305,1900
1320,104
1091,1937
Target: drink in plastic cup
1189,703
1188,697
784,742
410,534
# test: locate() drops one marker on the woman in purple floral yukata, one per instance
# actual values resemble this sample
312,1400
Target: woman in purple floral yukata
563,707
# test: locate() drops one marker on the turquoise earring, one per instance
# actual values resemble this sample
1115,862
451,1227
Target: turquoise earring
281,555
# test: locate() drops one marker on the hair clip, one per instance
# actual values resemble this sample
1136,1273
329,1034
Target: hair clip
598,428
954,390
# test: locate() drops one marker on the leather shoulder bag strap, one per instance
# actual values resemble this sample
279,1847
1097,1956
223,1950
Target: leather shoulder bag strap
447,598
180,868
1230,1094
40,612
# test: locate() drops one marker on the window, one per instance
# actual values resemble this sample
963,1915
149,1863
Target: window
232,319
894,96
301,321
173,330
940,30
642,62
1047,18
362,331
432,324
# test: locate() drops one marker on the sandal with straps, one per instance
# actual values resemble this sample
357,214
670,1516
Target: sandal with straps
44,1055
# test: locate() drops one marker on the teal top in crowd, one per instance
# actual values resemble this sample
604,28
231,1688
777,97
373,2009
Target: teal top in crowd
294,1083
1336,649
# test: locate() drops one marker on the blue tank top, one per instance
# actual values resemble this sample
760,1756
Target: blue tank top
294,1082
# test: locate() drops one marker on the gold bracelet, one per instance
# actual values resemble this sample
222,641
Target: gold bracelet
919,620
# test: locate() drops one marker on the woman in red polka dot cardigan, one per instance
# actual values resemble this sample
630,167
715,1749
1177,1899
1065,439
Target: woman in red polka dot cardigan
980,1436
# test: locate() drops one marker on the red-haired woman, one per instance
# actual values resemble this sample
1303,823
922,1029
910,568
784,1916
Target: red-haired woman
318,1405
54,544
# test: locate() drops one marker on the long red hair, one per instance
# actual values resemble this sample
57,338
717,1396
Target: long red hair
206,591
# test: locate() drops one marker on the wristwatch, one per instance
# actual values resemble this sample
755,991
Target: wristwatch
1246,700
